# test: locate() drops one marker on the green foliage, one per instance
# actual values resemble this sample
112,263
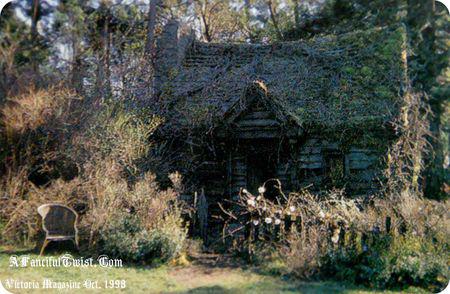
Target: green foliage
125,237
119,133
429,70
391,261
340,16
2,226
17,50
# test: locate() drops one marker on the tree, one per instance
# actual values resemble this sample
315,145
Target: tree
22,49
151,26
10,29
218,20
274,18
99,40
296,13
69,27
36,10
429,37
247,21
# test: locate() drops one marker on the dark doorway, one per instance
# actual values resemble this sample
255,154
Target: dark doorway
262,160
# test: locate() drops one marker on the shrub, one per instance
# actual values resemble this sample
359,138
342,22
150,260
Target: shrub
297,225
350,239
138,224
125,237
117,134
412,260
34,126
391,262
302,256
34,109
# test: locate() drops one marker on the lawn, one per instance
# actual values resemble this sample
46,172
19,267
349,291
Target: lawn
193,278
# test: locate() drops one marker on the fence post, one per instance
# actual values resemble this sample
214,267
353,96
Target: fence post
364,244
388,224
202,215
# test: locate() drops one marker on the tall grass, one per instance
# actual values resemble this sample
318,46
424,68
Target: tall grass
34,125
43,131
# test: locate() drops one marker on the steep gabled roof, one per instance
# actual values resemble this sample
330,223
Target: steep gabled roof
257,90
351,80
256,113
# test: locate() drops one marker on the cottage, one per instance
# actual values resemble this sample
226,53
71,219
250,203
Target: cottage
316,113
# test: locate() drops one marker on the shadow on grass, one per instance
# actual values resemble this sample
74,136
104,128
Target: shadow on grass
53,248
210,289
299,287
285,283
11,250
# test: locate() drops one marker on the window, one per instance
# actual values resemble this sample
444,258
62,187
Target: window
334,169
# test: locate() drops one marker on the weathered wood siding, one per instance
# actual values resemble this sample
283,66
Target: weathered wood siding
310,165
212,177
257,122
297,162
305,166
238,174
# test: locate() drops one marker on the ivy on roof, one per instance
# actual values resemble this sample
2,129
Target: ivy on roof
349,80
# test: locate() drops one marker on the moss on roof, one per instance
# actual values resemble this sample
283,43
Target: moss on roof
353,79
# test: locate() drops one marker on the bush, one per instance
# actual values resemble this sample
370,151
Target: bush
50,109
140,224
20,200
399,261
298,226
34,126
350,239
412,260
125,237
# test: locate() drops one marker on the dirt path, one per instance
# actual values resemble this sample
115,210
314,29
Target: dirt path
216,274
213,273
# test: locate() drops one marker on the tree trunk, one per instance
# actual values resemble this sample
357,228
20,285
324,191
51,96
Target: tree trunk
296,14
34,36
103,83
435,173
151,24
76,74
34,19
150,44
248,18
206,33
272,11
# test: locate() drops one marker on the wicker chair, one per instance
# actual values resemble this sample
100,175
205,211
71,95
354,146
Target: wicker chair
59,223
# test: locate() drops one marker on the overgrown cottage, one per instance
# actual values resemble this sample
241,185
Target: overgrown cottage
315,113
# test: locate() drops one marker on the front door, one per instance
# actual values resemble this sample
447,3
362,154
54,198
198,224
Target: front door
262,159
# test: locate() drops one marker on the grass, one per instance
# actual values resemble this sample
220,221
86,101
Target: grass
193,278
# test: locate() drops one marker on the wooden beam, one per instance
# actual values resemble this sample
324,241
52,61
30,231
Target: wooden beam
311,165
311,158
258,123
262,134
258,115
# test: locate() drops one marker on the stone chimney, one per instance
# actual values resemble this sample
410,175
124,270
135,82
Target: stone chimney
166,60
